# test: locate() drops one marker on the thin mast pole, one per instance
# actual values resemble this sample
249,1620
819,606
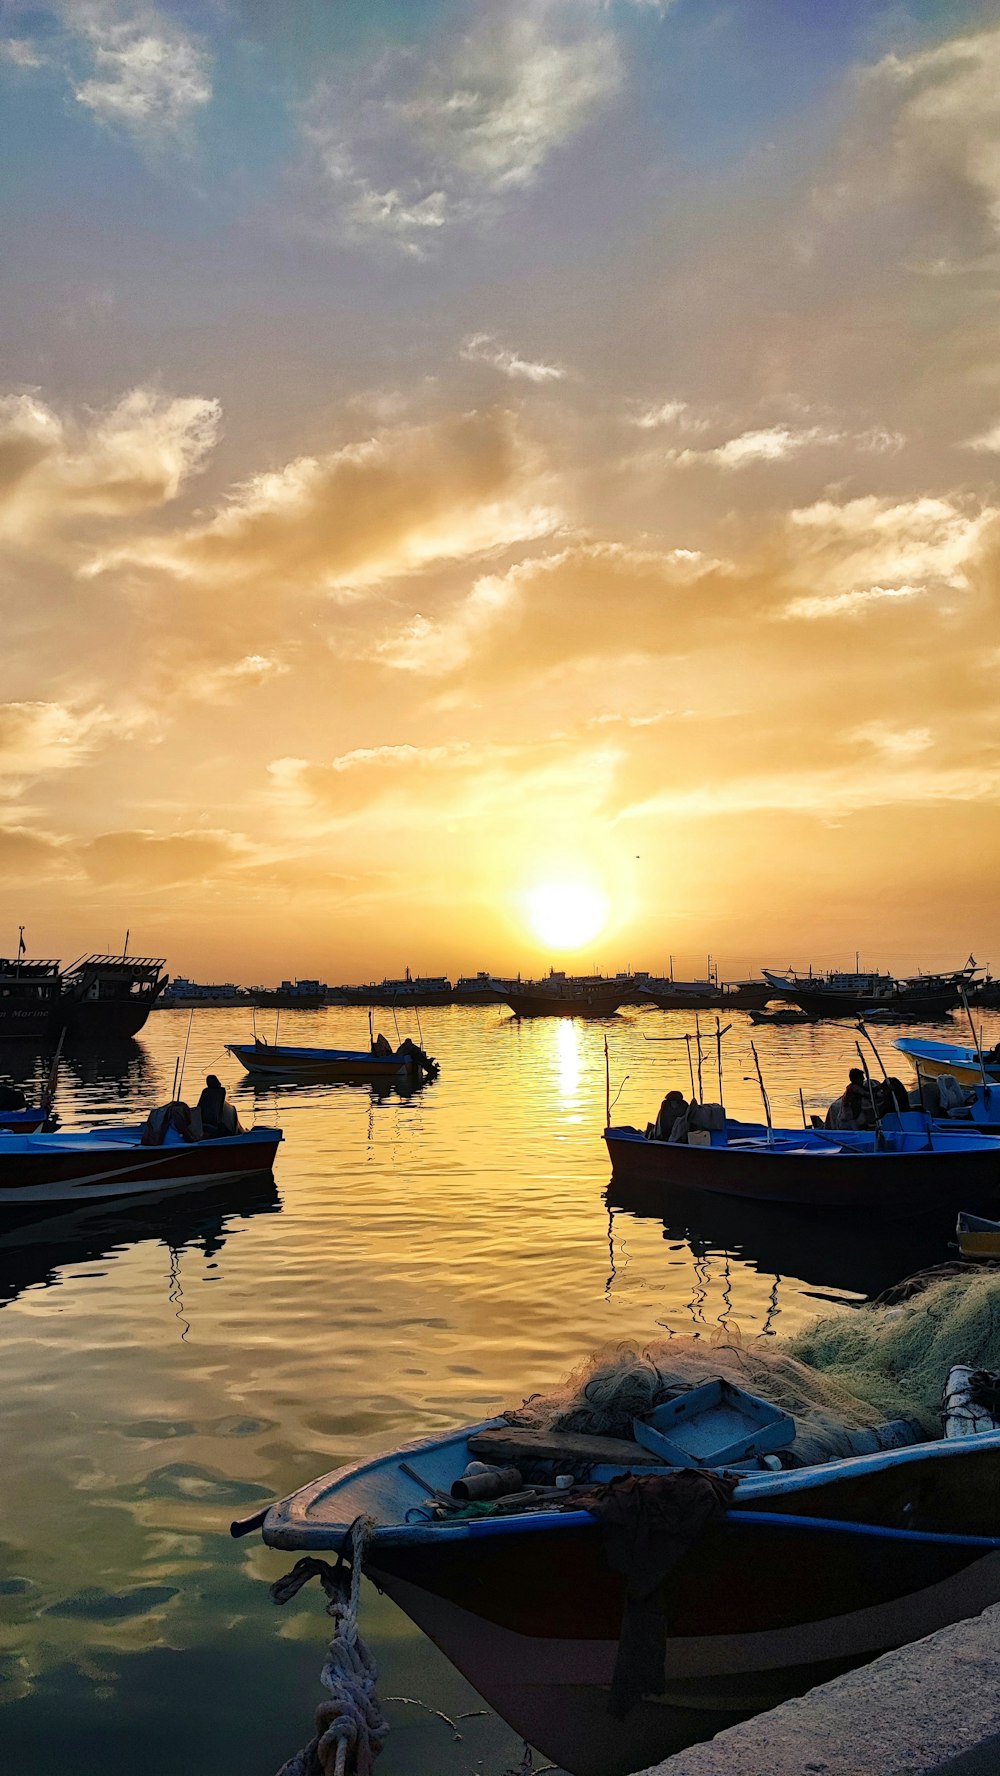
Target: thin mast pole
184,1057
607,1086
763,1093
697,1028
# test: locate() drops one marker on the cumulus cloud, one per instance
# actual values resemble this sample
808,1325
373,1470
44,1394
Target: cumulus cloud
846,604
147,75
128,459
436,141
887,548
483,348
350,520
943,115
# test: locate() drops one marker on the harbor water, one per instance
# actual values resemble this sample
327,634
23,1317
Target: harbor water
418,1262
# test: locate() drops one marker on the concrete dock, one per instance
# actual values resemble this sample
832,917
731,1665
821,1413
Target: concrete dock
930,1706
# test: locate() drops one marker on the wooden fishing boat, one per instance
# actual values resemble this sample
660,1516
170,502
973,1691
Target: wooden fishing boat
977,1237
562,996
406,1065
900,1171
791,1014
29,1121
111,1163
839,994
934,1058
811,1571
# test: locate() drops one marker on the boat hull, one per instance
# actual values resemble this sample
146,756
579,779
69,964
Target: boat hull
743,1632
571,1005
908,1183
934,1059
43,1169
347,1067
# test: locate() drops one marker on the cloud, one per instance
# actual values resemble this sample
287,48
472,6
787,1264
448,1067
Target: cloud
771,444
892,743
153,860
148,76
662,413
587,600
340,523
887,548
130,458
846,604
824,793
432,142
940,106
482,348
36,738
988,440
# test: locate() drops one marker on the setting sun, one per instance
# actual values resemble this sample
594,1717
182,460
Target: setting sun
566,914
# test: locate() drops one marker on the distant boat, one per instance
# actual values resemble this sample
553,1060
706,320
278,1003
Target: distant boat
300,995
567,996
839,994
935,1058
792,1014
111,1163
903,1171
407,1065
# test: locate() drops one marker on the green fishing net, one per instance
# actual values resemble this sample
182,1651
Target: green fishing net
852,1370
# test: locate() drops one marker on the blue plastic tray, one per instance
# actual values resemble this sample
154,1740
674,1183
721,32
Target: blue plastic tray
712,1425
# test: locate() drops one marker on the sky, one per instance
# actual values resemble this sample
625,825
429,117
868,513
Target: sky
459,455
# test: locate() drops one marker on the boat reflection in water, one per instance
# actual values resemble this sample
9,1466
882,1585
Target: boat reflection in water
35,1247
825,1249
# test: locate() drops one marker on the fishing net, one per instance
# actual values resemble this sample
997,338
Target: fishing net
850,1371
897,1357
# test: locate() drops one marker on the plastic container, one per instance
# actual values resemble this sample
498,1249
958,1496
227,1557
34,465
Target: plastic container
712,1425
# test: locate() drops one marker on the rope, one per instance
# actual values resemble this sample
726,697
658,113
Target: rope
350,1728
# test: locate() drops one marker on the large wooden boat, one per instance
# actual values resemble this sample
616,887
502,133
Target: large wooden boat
563,995
111,1163
811,1571
850,995
98,998
907,1171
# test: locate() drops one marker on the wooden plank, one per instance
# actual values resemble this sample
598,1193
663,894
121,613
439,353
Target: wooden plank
508,1442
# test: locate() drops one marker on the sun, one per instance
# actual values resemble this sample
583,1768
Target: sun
565,915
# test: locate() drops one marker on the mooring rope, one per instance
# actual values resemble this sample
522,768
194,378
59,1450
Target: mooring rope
350,1728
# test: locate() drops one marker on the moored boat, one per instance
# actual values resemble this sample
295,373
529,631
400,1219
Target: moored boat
936,1058
807,1572
977,1237
907,1170
101,1164
561,995
841,994
407,1064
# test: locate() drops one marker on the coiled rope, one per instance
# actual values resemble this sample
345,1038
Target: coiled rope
350,1728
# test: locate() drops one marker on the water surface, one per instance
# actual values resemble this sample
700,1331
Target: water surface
417,1263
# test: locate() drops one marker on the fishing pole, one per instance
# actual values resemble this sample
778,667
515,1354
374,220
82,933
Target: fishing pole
763,1093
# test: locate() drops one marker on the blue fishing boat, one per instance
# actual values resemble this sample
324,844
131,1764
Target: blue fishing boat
806,1572
407,1065
935,1058
910,1168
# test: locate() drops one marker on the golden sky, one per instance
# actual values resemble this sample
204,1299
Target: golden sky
455,448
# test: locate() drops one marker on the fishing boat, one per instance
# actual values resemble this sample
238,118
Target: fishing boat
113,1163
809,1571
839,994
904,1170
561,995
790,1014
977,1237
935,1058
406,1065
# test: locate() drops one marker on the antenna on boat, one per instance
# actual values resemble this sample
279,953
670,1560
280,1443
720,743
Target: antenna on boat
879,1132
977,1045
49,1093
763,1093
183,1063
871,1041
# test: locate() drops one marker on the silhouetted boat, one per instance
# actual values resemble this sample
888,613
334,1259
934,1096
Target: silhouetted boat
402,1066
99,998
809,1572
565,996
977,1237
87,1165
904,1172
839,994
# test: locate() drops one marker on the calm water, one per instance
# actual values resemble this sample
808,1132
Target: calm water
417,1263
